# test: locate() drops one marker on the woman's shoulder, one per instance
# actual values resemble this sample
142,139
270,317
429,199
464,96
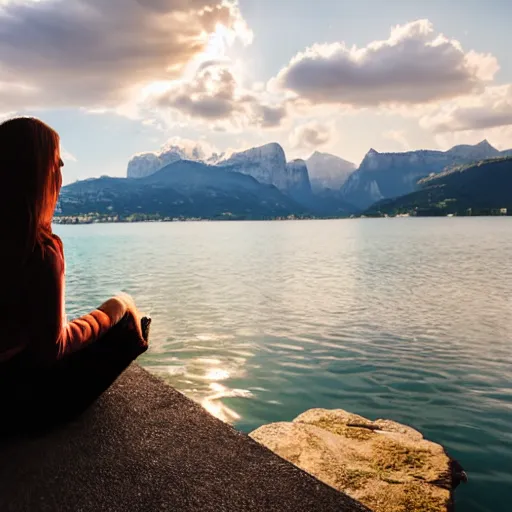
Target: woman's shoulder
56,244
50,254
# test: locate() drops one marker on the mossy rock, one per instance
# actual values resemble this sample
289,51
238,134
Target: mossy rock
387,466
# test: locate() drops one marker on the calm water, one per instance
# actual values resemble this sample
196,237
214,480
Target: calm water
408,319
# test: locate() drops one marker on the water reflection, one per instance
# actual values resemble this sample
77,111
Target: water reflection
202,368
214,405
407,319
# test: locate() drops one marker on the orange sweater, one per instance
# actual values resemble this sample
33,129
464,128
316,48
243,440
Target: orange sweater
34,316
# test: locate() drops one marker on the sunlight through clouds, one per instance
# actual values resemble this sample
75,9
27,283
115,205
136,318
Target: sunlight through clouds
98,54
192,68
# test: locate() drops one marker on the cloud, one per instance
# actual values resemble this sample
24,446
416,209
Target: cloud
311,135
214,94
192,149
267,116
492,108
413,66
211,94
96,53
399,137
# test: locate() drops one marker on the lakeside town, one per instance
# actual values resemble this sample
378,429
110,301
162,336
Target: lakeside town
96,218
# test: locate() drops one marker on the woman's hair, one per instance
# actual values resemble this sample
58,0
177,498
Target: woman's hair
31,178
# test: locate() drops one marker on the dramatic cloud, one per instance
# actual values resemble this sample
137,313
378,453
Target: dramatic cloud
491,109
215,94
311,135
98,52
415,65
268,117
210,95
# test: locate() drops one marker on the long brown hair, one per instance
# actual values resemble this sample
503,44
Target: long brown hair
30,172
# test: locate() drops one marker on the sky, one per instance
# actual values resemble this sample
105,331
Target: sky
125,77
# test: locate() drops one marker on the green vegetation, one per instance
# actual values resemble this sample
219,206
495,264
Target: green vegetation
395,457
341,429
181,191
484,188
352,479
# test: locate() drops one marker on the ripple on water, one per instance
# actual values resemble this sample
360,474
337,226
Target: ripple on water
261,321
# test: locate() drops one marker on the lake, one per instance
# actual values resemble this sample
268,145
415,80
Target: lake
408,319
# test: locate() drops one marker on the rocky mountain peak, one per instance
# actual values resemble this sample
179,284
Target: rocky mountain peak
271,153
266,163
328,171
396,174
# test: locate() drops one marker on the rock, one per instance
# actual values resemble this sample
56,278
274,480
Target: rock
265,163
328,171
144,164
298,185
387,466
268,165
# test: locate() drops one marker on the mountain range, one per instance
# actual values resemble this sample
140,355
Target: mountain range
181,189
261,183
479,188
386,175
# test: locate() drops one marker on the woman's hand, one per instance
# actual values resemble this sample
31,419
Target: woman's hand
133,318
122,310
129,304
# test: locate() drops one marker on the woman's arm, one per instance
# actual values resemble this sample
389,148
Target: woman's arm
52,336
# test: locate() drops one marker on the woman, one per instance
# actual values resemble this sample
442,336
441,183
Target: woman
34,327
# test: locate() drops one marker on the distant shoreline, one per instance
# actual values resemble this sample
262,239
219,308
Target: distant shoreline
61,221
74,221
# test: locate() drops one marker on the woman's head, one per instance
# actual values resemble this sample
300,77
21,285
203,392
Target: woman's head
30,171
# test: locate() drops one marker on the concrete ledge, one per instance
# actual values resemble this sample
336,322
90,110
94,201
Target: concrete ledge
143,446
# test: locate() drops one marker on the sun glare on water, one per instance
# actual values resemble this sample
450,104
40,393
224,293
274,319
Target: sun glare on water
217,374
217,408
